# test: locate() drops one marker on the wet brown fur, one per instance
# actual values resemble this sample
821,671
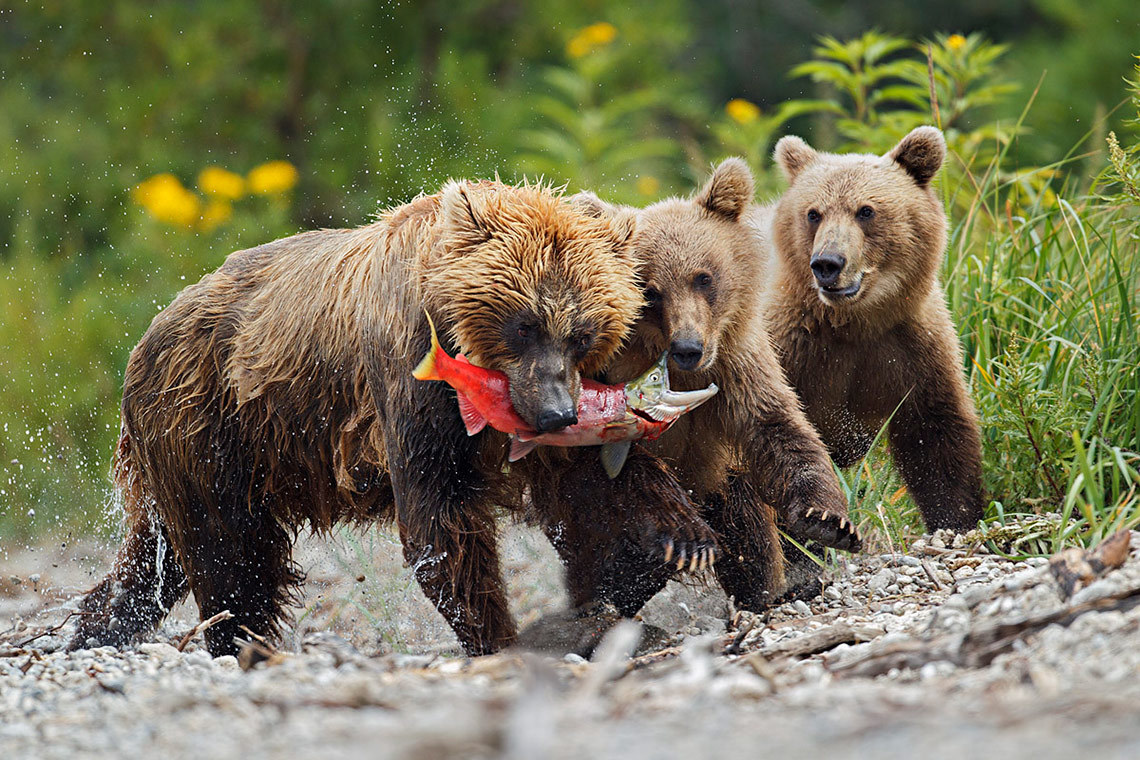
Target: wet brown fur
277,393
893,345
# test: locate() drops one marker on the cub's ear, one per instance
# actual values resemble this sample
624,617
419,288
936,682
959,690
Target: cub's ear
793,155
466,212
921,153
729,191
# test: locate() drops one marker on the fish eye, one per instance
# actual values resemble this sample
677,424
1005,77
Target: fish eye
813,216
864,213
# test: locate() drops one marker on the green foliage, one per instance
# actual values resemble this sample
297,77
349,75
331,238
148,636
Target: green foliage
1043,279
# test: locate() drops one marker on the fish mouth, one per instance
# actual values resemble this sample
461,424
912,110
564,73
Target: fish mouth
844,293
672,404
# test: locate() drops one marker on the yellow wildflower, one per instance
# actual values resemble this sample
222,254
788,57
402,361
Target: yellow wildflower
742,111
601,33
221,183
164,197
955,42
214,215
272,177
591,38
648,185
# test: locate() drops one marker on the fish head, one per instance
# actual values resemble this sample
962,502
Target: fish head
651,396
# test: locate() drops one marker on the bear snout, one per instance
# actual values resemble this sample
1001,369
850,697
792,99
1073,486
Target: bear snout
550,420
687,353
827,266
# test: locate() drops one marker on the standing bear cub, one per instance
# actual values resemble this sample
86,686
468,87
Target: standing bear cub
278,392
853,303
748,455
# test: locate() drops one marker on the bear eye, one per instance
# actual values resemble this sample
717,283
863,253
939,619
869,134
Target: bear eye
814,216
525,331
864,212
583,342
652,297
703,281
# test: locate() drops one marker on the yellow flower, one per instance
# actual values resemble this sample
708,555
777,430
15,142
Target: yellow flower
955,42
578,46
742,111
214,215
601,33
221,183
648,185
272,177
591,38
164,197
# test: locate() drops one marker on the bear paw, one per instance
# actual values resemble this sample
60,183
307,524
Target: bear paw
692,550
829,529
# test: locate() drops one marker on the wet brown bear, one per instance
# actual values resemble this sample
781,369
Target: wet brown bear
278,392
854,306
748,451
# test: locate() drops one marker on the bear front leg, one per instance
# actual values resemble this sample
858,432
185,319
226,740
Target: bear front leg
751,564
446,525
621,540
937,448
788,465
145,582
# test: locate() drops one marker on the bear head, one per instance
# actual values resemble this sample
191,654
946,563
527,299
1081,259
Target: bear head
534,287
860,232
698,266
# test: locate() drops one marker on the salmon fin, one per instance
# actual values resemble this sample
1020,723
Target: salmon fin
473,420
426,369
520,449
614,456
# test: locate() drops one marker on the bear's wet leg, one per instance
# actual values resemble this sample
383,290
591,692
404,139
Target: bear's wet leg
446,523
145,582
751,563
622,539
937,448
243,566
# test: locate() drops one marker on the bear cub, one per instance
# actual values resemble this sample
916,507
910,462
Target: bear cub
853,302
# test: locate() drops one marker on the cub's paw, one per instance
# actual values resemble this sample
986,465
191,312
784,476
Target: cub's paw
690,546
829,529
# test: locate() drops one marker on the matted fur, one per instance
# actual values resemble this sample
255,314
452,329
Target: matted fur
277,393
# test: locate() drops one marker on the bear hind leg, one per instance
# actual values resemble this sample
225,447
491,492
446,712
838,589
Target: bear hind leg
145,582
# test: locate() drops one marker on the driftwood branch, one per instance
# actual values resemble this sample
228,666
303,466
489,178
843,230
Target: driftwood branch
202,626
978,647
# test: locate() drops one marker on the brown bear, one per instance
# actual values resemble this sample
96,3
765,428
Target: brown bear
852,252
278,393
748,451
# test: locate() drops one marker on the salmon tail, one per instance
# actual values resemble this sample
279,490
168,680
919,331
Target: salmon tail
426,369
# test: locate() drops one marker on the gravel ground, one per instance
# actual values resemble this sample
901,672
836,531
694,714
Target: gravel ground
943,652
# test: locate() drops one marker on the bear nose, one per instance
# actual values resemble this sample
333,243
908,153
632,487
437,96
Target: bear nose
687,353
826,267
550,420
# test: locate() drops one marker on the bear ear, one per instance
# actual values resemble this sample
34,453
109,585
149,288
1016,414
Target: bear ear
622,219
591,205
729,191
793,155
921,153
465,212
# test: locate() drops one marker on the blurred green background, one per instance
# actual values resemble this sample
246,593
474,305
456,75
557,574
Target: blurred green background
142,142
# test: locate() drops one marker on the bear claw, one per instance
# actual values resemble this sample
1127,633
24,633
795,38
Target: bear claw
828,529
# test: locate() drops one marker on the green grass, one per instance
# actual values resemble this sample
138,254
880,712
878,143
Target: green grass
1042,275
